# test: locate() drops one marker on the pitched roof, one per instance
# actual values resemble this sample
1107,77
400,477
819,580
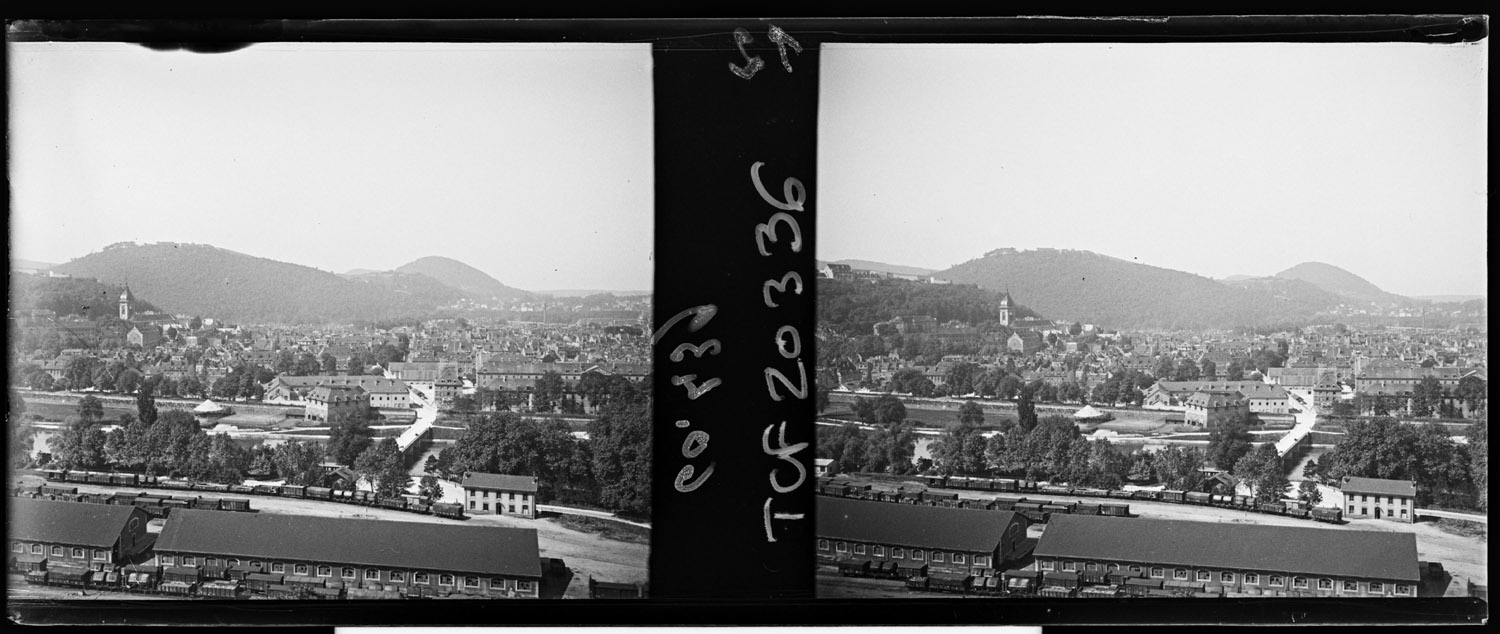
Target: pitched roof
498,481
1292,549
971,530
74,523
1378,486
474,549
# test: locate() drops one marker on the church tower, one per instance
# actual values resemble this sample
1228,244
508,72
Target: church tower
1005,314
125,299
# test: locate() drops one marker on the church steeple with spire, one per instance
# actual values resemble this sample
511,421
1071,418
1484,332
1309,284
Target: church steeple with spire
1005,315
125,300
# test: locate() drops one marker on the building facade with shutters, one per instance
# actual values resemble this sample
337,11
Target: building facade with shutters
1394,500
499,494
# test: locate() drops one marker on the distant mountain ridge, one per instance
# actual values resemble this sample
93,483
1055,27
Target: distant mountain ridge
1082,285
474,282
882,267
1341,282
206,280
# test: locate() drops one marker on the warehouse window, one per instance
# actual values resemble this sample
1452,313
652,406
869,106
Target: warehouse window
1178,573
918,555
1376,586
981,560
1251,577
1325,584
189,561
1204,575
471,582
1112,567
211,561
1157,572
1226,577
78,553
822,544
1069,566
372,575
420,577
445,580
1091,566
1046,565
841,547
1401,589
16,547
1275,580
1299,582
57,551
497,584
325,571
234,562
937,557
300,569
958,558
523,586
859,549
1136,569
898,553
1351,586
277,566
347,573
878,551
397,575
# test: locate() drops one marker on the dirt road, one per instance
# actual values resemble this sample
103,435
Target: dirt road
583,553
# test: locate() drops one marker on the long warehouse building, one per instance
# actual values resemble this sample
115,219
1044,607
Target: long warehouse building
1236,558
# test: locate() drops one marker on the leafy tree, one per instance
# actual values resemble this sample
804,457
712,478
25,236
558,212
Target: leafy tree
1140,468
1026,412
1009,386
79,371
1309,494
548,392
864,410
329,363
307,365
39,380
971,413
430,488
1472,390
145,404
1165,368
1178,467
1186,370
890,450
349,438
299,463
1479,469
90,409
889,410
20,439
80,445
620,442
961,449
1229,441
820,399
1207,369
1235,371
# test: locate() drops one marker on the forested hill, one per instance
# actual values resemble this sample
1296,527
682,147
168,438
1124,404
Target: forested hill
1092,288
205,280
1339,281
476,283
84,297
853,308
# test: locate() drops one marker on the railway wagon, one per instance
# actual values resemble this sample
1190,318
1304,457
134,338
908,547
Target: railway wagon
451,511
206,504
123,479
1055,490
1056,508
293,491
221,589
949,582
212,487
319,493
76,476
934,480
1198,497
1325,514
1242,501
1033,511
96,478
48,489
141,577
397,504
177,503
1121,494
1058,579
181,485
912,583
262,581
234,504
1005,485
1223,501
242,489
1114,510
1087,509
854,567
1019,582
1275,508
55,475
1173,496
266,489
1297,513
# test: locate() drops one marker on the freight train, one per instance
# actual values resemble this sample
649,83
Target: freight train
241,581
408,503
1039,510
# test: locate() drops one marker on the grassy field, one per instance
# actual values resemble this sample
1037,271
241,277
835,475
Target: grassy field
57,412
606,529
1464,528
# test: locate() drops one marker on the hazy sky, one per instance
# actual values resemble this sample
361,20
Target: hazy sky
532,163
1216,159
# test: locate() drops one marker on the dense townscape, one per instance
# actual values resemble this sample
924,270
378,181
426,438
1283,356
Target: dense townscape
486,438
968,444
